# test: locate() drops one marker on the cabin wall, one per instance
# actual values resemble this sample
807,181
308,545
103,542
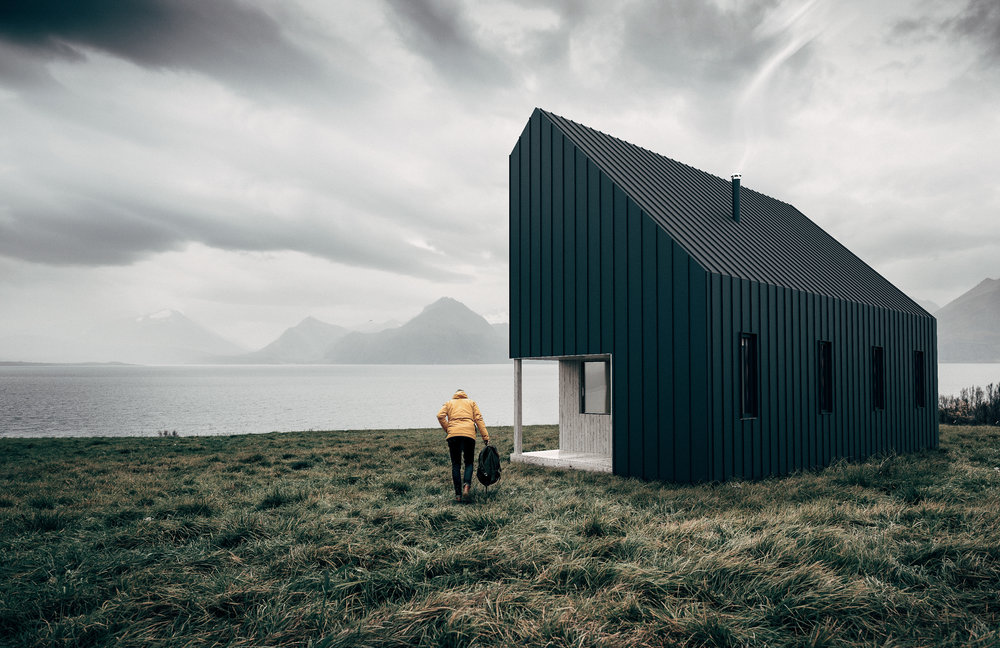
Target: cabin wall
592,274
579,432
790,433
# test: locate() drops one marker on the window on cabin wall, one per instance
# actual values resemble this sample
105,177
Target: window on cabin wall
919,383
825,366
595,387
878,378
749,372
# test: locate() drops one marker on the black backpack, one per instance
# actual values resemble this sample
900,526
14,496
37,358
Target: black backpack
488,472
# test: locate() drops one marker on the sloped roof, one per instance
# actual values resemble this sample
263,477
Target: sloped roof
773,243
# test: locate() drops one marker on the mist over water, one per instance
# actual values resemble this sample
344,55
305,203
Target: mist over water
205,400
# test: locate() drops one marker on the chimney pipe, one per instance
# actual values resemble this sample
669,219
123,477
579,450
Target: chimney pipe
736,197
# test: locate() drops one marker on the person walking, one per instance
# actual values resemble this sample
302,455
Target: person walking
460,418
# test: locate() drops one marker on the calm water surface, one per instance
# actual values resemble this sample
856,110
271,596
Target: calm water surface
140,401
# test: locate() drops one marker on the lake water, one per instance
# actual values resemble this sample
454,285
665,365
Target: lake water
204,400
140,401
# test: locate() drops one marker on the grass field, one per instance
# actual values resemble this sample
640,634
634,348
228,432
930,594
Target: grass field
352,539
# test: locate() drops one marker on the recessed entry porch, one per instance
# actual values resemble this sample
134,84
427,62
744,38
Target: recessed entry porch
584,416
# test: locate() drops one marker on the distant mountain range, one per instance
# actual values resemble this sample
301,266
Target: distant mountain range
306,342
968,328
446,332
164,337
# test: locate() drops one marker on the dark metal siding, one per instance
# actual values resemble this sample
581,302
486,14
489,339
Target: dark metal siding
593,272
791,433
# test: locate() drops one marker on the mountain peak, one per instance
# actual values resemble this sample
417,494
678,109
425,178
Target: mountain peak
984,287
162,337
445,332
445,302
448,312
303,343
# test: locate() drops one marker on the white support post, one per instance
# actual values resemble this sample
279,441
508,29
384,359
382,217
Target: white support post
517,406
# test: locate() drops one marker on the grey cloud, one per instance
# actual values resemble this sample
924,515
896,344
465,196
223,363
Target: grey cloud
20,70
681,48
92,233
119,230
980,21
225,39
436,30
912,29
691,42
676,43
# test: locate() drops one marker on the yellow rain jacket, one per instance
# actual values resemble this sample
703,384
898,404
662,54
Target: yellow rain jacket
461,416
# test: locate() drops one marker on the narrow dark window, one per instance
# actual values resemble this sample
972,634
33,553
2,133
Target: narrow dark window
595,387
825,376
919,385
748,375
878,378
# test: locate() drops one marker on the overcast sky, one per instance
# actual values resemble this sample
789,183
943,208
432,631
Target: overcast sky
252,163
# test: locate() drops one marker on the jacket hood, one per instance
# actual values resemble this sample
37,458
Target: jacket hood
459,394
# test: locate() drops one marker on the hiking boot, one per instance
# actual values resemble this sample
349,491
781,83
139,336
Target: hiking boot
466,490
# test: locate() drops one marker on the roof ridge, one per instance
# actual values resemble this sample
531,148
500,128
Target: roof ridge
550,114
774,242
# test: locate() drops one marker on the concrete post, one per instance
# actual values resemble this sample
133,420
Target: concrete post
517,406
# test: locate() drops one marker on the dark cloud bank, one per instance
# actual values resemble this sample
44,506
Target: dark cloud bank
220,38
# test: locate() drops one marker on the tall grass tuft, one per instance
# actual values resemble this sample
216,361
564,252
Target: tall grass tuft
305,539
280,496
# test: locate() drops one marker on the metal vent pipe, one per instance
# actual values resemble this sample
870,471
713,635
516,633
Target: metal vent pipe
736,197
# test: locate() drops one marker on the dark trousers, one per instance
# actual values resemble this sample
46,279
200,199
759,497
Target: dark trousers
459,448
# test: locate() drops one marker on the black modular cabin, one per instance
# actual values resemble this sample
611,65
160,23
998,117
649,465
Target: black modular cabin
737,338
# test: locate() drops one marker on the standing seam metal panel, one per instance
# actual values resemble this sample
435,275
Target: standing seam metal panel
545,250
650,384
535,242
620,417
513,288
582,262
558,241
665,334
